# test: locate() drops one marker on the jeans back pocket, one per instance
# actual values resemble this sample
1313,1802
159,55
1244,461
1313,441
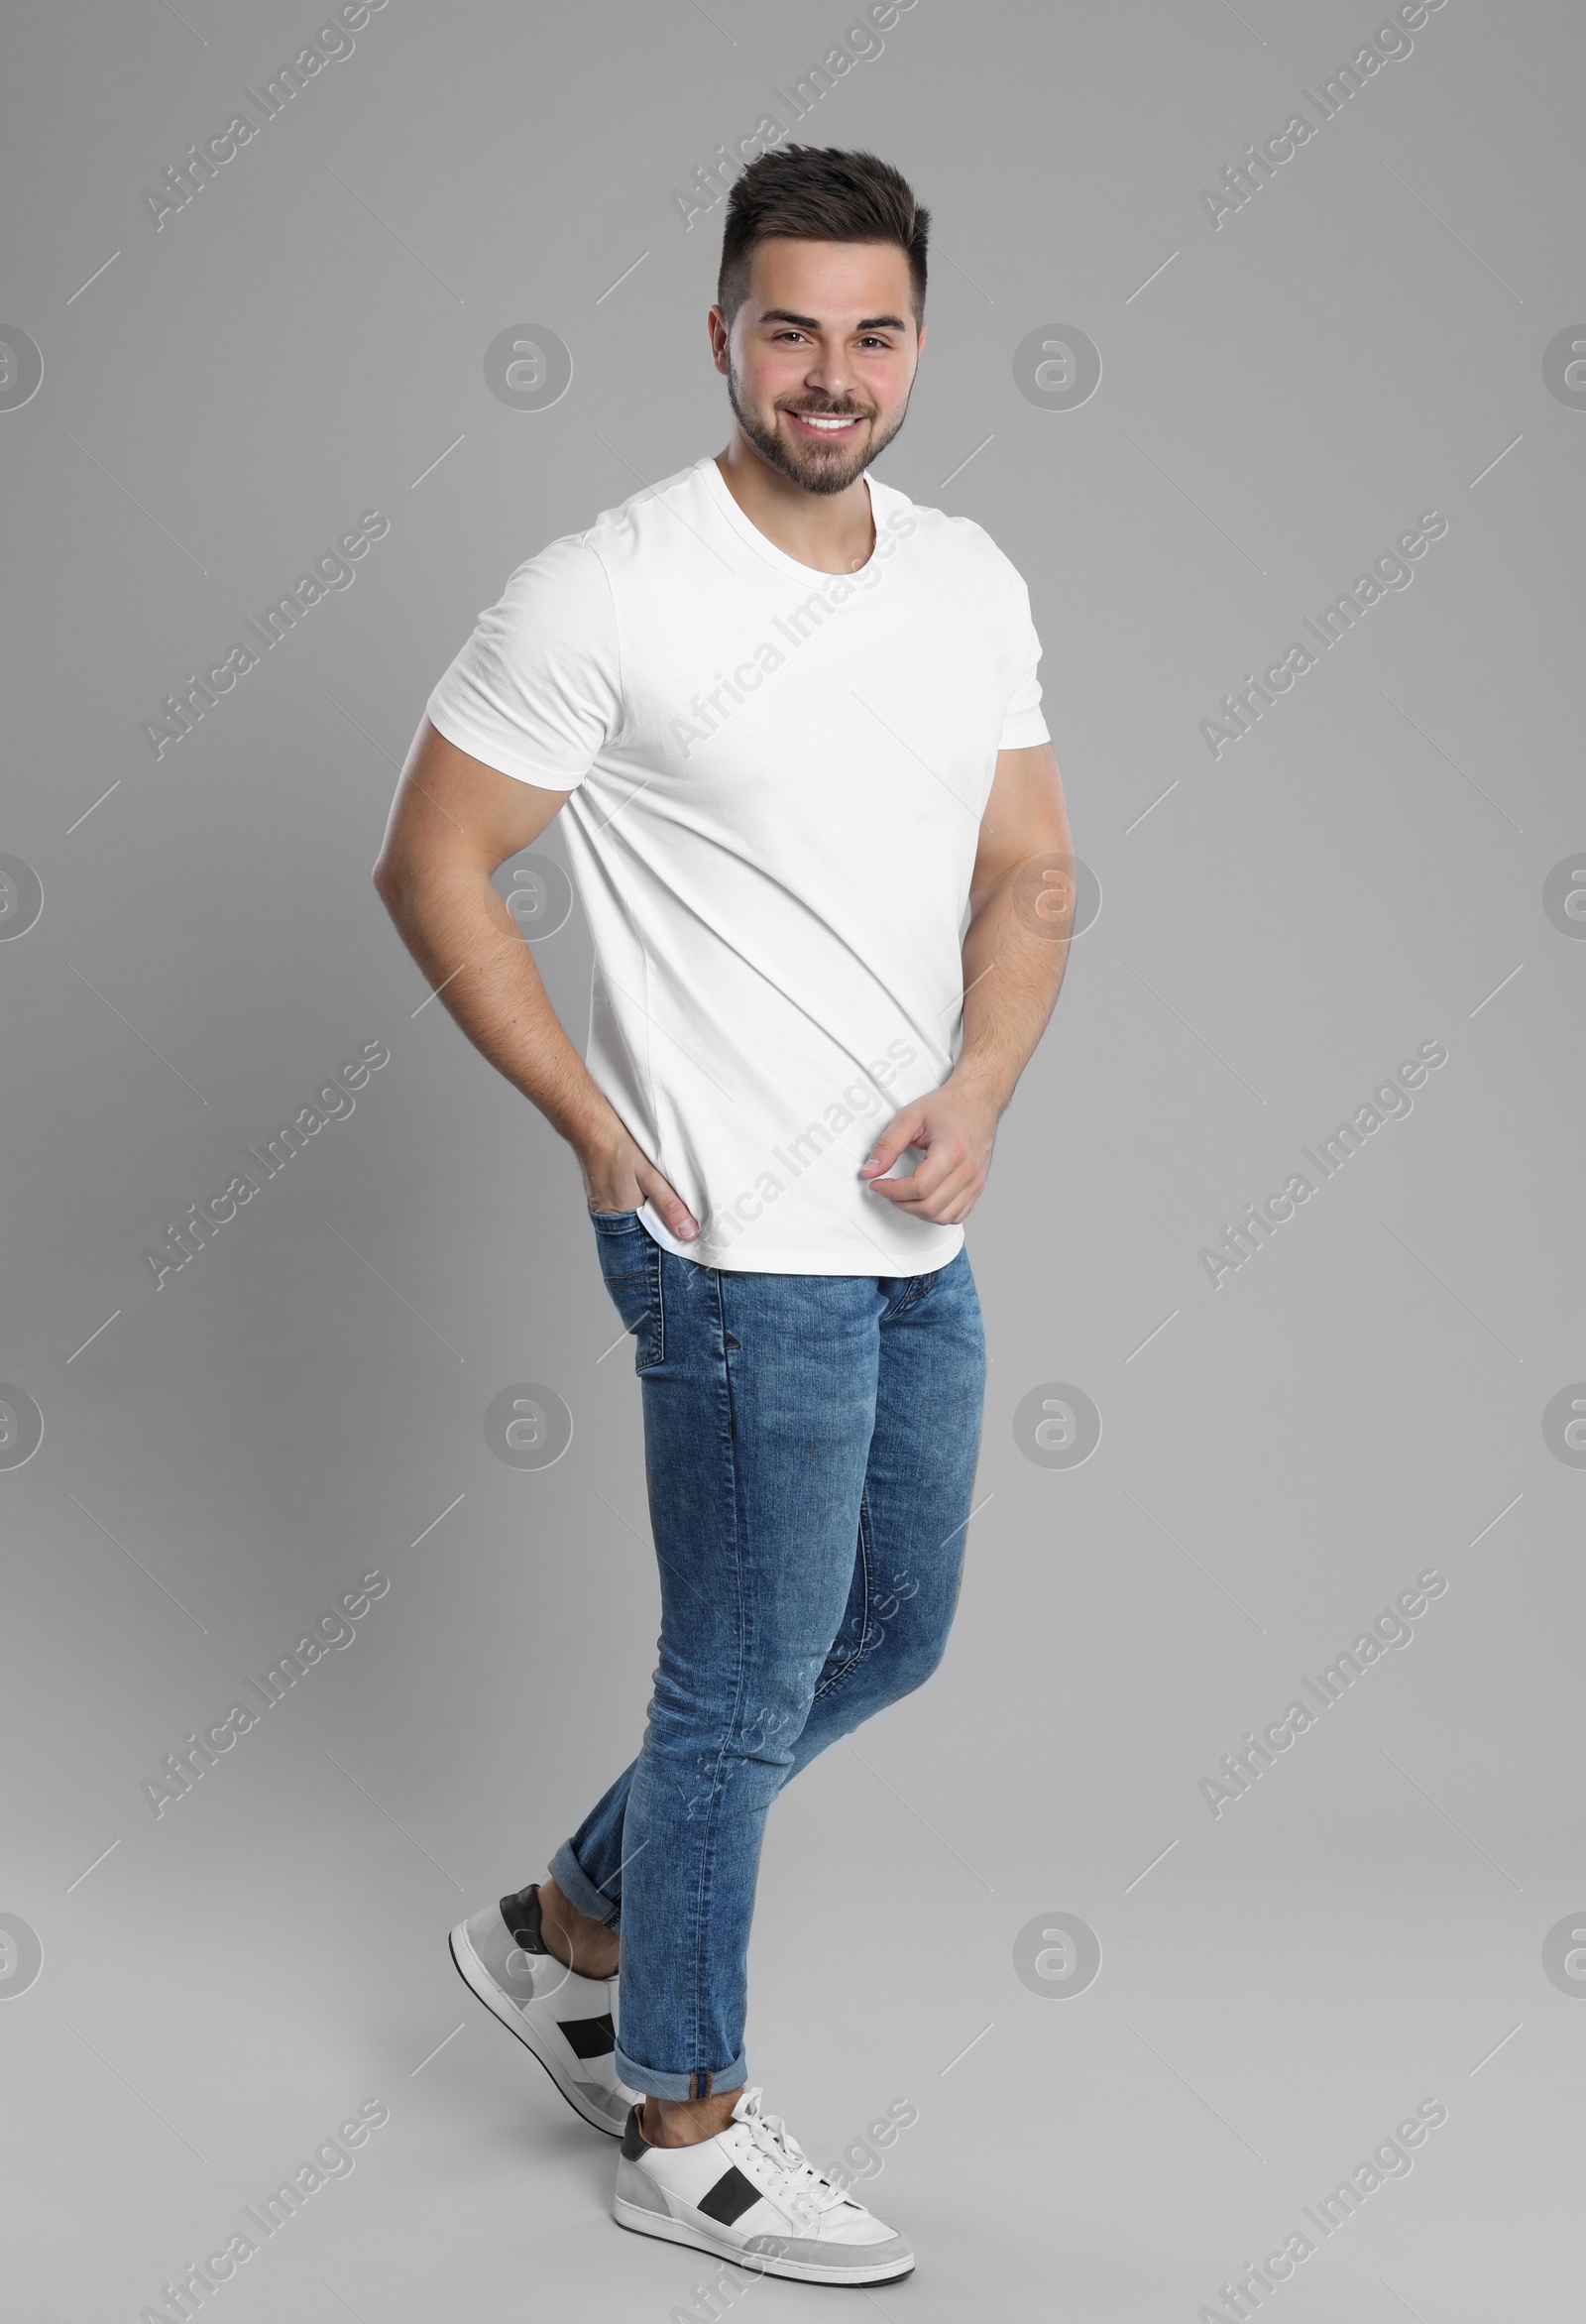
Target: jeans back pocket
630,1266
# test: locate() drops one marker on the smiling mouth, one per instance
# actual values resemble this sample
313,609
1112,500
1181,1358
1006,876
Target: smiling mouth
827,426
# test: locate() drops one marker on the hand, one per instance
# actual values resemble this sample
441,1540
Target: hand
955,1126
619,1176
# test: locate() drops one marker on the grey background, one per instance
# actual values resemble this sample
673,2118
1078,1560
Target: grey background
1363,872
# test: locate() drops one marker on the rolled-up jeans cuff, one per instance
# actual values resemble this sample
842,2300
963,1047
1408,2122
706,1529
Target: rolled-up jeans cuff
657,2085
578,1890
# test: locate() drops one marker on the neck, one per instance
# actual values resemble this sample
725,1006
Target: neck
832,532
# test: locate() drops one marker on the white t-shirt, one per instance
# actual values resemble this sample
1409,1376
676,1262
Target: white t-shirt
777,778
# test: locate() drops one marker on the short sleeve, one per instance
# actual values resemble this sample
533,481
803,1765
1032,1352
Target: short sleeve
1022,721
536,690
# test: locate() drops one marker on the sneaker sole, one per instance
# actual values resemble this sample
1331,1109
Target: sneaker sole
671,2230
478,1980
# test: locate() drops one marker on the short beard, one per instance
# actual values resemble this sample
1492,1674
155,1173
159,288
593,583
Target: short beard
814,471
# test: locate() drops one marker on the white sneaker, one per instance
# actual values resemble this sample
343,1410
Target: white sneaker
751,2195
568,2022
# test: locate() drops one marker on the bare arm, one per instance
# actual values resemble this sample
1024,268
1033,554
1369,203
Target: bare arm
452,823
1015,950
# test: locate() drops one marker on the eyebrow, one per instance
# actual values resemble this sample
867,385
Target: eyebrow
808,323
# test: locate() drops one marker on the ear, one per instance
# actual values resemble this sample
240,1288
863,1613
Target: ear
717,325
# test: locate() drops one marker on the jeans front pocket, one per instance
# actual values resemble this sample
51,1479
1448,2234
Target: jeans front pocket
630,1265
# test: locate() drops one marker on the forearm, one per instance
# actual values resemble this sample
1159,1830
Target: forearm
472,951
1015,952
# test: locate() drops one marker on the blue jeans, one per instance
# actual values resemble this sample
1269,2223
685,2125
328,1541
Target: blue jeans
810,1448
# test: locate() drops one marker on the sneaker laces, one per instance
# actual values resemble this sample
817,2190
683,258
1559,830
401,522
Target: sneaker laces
806,2188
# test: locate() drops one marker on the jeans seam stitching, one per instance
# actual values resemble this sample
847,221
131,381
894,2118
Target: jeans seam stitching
863,1546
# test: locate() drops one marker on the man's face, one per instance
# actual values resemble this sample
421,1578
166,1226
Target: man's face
826,333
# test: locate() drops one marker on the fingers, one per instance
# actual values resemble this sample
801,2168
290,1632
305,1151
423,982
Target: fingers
667,1203
941,1193
899,1132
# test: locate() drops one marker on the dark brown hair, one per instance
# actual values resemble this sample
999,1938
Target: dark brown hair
820,193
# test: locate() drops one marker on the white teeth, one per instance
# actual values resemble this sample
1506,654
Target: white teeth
819,420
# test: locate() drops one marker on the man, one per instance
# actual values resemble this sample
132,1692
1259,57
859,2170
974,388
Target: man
791,724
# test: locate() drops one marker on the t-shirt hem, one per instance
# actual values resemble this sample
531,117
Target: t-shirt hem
740,1259
1022,734
486,747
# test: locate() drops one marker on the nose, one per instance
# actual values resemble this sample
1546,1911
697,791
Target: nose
831,375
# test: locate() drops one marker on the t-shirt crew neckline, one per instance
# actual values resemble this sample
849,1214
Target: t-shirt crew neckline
761,543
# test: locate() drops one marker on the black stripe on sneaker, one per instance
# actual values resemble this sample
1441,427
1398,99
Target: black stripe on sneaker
634,2141
589,2037
730,2198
